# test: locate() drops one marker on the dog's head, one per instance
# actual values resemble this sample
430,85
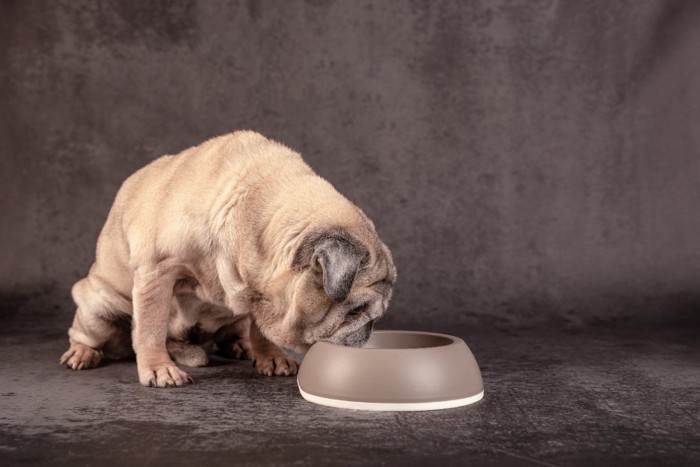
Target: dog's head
339,284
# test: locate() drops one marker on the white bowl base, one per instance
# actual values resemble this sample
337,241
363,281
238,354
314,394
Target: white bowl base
391,407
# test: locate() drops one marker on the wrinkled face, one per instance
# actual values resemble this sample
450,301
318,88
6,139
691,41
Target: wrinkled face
350,321
338,289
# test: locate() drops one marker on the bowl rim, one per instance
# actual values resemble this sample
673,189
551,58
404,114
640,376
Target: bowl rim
454,341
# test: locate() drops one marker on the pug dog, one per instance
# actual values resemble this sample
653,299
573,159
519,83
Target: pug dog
235,242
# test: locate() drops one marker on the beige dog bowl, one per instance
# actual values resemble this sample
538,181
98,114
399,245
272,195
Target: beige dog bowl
394,371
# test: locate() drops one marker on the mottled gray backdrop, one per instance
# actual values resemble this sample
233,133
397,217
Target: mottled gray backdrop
525,161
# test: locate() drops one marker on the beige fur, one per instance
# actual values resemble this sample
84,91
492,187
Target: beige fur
236,241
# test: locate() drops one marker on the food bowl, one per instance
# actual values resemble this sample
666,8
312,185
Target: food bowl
394,371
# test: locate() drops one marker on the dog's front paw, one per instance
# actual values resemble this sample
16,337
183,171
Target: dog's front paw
80,357
276,365
163,376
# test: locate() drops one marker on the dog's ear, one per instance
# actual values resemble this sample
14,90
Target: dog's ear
334,257
337,262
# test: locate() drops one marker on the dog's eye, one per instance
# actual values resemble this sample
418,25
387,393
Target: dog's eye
357,310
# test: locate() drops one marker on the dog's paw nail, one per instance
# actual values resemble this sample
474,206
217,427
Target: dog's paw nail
166,376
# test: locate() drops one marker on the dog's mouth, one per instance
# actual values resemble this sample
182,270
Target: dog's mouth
352,333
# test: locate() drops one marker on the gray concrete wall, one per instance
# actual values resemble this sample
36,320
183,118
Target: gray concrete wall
524,160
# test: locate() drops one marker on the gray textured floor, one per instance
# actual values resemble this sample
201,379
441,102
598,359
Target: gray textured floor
598,396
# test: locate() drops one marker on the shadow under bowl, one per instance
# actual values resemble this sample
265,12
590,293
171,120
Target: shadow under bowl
394,371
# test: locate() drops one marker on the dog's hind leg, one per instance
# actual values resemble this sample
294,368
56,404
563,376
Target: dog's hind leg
233,340
187,354
93,325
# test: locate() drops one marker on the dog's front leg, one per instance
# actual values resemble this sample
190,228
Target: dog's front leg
152,297
267,357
